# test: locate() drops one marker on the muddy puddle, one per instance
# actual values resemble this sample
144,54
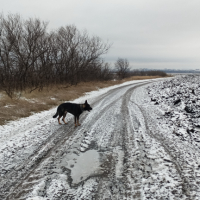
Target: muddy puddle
91,163
83,165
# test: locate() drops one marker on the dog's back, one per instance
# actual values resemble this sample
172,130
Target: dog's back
72,108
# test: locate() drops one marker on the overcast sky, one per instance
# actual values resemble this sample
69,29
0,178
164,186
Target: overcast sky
149,33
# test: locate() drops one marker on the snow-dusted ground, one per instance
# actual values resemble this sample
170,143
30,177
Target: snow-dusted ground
140,141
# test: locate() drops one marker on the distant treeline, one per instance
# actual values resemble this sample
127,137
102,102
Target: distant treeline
147,73
120,74
181,71
122,70
32,57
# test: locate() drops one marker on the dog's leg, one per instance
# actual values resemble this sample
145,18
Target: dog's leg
64,115
75,120
78,121
59,119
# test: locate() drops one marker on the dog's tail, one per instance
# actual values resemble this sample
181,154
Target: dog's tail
55,115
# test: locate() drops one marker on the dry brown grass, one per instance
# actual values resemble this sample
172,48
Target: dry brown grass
29,103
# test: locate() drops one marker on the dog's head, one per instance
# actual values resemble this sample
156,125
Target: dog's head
87,106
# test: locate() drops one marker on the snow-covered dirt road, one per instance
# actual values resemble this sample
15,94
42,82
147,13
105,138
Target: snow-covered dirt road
125,148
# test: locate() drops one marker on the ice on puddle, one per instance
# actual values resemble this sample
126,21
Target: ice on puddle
87,164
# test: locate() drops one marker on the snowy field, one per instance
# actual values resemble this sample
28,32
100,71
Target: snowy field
140,141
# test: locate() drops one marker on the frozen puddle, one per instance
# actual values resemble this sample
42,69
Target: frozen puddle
83,165
87,164
91,163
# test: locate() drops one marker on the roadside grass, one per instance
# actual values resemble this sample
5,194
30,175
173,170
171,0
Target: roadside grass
28,103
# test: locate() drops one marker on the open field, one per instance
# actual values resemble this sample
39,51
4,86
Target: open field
27,103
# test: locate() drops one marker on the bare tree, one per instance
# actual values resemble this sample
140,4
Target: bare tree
79,55
122,67
10,31
28,49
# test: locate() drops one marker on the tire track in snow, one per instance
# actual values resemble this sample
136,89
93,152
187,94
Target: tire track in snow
140,156
119,188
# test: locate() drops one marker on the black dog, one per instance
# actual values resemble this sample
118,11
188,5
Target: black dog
73,108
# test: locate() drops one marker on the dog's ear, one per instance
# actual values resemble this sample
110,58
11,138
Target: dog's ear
85,101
